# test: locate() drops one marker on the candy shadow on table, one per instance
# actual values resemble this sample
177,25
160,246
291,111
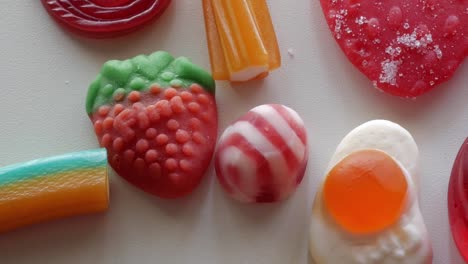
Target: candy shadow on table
187,206
410,113
275,232
248,227
69,236
345,82
145,223
101,50
356,85
131,212
309,259
454,255
236,99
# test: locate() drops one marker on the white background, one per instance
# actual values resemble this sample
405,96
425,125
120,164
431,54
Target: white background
45,72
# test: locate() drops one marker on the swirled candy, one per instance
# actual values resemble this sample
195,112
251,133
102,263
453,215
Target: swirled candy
261,158
105,18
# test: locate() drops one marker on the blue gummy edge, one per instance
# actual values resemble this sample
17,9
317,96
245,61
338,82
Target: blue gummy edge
52,165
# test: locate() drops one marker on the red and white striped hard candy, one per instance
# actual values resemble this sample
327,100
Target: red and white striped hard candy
262,157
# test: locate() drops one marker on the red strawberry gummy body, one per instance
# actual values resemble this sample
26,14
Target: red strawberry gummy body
458,200
105,18
406,47
157,118
261,158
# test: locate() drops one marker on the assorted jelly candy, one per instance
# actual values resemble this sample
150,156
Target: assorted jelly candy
157,118
261,158
458,200
52,188
366,208
241,39
406,47
105,18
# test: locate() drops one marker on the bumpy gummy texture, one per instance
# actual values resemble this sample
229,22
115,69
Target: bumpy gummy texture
105,18
157,118
261,158
458,202
406,47
51,188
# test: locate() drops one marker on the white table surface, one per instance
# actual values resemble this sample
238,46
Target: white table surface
45,72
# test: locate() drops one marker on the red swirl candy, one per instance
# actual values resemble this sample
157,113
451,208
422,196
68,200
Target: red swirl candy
105,18
262,157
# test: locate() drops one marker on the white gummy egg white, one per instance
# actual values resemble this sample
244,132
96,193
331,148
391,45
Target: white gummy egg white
406,241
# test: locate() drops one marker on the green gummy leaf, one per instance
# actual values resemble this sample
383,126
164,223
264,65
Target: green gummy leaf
92,93
118,71
107,90
145,67
186,69
160,60
139,73
137,84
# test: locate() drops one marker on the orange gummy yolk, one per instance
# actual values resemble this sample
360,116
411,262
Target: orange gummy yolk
365,192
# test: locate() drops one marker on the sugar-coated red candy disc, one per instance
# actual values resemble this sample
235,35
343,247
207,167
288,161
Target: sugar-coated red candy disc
458,200
406,47
105,18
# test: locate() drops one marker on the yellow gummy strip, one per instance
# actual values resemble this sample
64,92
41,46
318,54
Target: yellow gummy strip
218,63
260,8
240,38
75,192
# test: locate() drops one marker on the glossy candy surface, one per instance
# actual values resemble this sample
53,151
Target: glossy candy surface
458,200
262,156
52,188
405,47
157,118
105,18
366,209
360,185
241,39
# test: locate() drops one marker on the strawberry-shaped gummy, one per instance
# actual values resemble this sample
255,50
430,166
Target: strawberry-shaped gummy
406,47
105,18
458,200
157,118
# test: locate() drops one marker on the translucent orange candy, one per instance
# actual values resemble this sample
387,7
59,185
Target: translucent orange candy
241,39
365,192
